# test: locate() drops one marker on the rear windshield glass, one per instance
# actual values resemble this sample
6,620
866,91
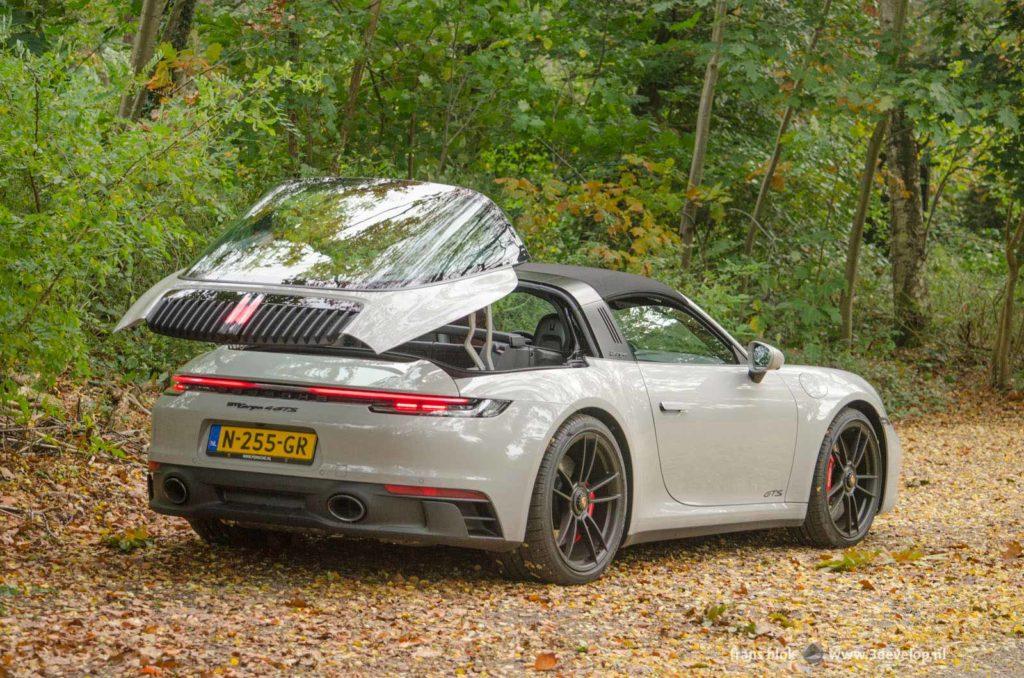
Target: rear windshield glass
363,235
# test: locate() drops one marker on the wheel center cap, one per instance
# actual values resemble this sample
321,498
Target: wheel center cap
851,480
580,501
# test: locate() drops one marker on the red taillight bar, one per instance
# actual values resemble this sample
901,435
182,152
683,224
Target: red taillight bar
183,381
435,492
400,402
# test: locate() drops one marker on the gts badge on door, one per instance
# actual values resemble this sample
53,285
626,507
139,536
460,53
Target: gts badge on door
773,493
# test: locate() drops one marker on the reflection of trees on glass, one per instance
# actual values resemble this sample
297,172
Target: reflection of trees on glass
665,334
363,235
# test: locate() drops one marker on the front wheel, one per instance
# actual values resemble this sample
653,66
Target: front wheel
578,508
847,487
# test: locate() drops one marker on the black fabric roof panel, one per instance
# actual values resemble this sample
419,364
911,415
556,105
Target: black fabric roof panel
608,284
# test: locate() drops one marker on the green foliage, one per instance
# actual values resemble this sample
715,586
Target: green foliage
6,591
577,117
714,612
95,209
128,540
850,560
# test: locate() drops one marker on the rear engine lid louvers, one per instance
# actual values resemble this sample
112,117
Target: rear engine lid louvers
229,317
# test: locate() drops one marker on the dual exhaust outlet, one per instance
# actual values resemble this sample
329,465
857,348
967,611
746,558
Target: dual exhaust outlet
343,507
175,490
346,508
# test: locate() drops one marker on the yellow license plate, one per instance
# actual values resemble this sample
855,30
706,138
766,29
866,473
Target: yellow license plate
263,444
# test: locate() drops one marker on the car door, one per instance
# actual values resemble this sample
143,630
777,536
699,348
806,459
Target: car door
722,439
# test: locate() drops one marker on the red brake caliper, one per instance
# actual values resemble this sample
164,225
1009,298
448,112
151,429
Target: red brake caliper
828,473
590,512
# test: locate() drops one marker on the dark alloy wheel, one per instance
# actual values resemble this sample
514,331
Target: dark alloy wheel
578,510
847,487
588,500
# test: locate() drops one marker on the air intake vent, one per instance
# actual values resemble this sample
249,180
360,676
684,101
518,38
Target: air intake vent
480,519
610,324
251,319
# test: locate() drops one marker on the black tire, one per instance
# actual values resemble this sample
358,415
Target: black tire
846,491
218,533
581,486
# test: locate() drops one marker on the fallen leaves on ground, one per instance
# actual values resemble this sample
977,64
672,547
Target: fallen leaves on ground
945,580
545,661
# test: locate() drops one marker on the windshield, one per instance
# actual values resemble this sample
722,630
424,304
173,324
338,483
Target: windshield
363,234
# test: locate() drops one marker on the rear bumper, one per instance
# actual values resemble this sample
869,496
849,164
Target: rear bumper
497,456
298,502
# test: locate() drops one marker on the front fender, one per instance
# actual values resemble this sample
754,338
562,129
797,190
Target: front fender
821,394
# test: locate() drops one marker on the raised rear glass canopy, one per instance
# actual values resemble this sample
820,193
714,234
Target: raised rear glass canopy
396,258
362,234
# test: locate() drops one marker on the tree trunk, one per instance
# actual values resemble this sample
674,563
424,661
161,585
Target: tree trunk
293,115
179,24
410,142
893,17
787,118
907,234
999,376
700,141
357,75
453,98
142,52
867,179
926,180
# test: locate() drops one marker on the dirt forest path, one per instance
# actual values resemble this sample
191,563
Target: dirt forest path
936,588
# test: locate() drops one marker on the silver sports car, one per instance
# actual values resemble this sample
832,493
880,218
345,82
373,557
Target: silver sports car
390,366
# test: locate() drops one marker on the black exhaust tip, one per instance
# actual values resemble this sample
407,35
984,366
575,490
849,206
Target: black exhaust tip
175,490
346,508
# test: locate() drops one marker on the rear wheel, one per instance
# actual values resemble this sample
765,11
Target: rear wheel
217,532
578,507
847,487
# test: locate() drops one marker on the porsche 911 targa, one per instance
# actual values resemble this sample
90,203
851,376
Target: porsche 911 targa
391,366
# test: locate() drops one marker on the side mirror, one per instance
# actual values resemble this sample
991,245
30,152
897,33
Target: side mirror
761,358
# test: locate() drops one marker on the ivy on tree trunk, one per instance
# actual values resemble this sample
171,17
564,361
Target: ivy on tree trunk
142,51
908,236
1013,249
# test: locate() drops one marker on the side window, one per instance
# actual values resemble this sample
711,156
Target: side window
541,320
659,333
521,312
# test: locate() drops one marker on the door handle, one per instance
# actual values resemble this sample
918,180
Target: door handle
669,407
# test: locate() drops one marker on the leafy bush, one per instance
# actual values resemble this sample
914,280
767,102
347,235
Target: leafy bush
94,208
582,112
